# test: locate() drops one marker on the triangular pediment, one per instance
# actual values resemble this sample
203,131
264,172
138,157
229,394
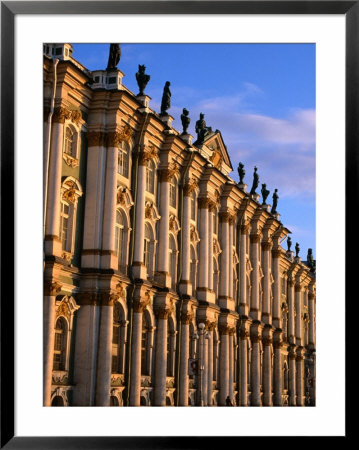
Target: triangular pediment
218,151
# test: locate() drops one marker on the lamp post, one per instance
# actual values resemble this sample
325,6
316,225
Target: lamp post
202,334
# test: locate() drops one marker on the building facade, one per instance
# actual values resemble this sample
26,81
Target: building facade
165,282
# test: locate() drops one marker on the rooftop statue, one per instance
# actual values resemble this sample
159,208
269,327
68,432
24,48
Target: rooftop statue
310,260
265,193
241,172
166,99
255,181
201,129
289,243
142,78
114,56
185,120
275,201
297,250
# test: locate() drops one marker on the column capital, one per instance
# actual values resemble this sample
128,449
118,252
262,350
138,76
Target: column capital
109,298
166,174
61,113
292,352
224,329
51,288
277,338
267,245
255,238
88,298
276,252
186,318
147,154
203,202
96,138
256,331
163,312
140,303
298,287
189,187
245,227
267,335
311,296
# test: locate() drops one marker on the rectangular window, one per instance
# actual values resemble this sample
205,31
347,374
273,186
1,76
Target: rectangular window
123,163
64,222
173,195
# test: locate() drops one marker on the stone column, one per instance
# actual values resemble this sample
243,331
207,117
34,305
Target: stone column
86,348
163,240
224,365
110,201
185,287
230,257
186,318
231,364
210,365
135,365
139,270
256,337
210,245
277,371
52,226
161,357
292,376
94,199
298,317
255,311
311,310
300,376
243,305
50,291
277,319
104,360
267,365
266,308
244,335
291,313
205,370
203,204
224,269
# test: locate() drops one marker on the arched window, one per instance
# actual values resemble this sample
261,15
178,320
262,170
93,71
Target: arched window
120,240
69,142
144,346
173,192
193,206
150,177
60,344
193,264
123,160
64,226
172,260
118,339
71,191
57,401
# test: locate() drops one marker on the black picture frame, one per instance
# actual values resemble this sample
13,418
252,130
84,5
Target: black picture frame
9,10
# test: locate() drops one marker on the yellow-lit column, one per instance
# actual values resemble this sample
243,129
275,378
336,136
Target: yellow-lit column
267,365
161,357
244,335
254,256
266,309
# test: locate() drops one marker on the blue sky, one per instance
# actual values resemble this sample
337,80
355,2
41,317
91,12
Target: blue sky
260,96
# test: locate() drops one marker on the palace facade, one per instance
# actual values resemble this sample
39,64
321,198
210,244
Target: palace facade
165,282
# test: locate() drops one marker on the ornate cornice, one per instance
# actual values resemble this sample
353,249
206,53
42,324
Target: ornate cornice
51,288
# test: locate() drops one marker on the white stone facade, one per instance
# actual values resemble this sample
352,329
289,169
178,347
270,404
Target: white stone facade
165,282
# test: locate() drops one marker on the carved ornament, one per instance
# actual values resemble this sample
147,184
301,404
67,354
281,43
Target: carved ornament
63,310
61,114
121,197
70,194
70,160
148,210
255,238
216,159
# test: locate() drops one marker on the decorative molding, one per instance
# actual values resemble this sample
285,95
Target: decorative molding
70,160
216,159
63,310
